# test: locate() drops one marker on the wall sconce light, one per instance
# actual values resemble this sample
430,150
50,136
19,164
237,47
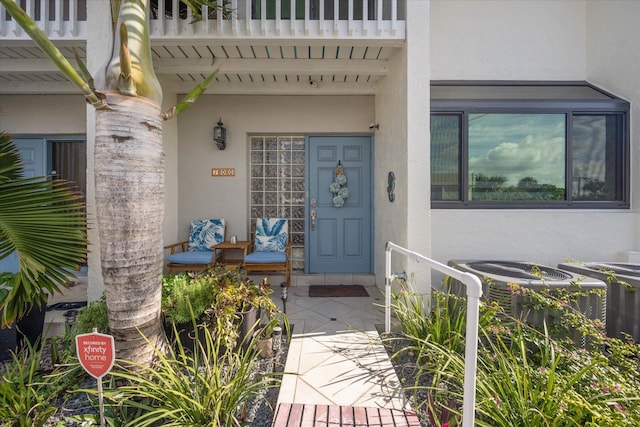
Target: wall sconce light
374,126
220,135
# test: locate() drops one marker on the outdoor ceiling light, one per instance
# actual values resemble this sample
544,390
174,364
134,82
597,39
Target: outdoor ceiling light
220,135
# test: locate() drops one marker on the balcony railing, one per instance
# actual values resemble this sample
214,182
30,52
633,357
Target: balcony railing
59,19
233,19
284,19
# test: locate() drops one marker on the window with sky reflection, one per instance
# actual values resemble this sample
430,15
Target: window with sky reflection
517,156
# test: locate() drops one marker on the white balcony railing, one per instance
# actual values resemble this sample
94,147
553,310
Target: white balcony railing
474,292
59,19
171,19
345,19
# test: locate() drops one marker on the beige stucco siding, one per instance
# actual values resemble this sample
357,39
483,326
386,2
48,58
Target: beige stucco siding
540,40
43,114
202,196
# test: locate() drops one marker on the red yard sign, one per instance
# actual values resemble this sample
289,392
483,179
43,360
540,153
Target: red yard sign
96,353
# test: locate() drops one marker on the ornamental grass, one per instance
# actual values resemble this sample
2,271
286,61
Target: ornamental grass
527,375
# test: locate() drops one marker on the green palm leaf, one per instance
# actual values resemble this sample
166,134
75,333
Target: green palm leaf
44,223
49,49
10,164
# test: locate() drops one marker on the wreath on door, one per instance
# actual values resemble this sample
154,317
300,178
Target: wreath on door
339,187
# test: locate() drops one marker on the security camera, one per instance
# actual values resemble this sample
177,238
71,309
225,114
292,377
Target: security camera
374,126
313,83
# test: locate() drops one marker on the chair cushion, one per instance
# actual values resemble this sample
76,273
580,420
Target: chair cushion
272,234
265,258
204,257
204,233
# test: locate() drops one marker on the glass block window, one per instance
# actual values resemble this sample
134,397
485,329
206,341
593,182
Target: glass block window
277,165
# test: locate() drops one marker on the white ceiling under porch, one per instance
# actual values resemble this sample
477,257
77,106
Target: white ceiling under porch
265,56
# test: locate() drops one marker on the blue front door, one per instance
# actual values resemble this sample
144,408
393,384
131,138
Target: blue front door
339,238
33,153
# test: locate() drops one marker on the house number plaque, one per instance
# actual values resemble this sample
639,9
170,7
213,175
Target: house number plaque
223,172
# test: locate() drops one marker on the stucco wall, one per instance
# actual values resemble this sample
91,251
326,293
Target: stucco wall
535,40
402,109
596,41
508,40
613,62
418,94
170,143
545,236
43,114
391,155
200,194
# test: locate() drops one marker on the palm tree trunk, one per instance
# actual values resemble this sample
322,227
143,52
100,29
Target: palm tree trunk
129,172
129,176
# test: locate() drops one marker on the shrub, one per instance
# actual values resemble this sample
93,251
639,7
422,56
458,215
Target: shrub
218,299
93,316
210,387
183,295
526,376
31,381
25,398
440,318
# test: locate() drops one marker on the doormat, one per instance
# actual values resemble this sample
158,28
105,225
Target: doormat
337,291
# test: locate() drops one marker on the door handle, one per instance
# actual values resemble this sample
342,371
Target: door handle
313,220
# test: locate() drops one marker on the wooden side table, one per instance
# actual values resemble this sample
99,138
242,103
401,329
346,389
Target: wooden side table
224,247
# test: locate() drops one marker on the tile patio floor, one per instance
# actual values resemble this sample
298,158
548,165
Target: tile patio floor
335,352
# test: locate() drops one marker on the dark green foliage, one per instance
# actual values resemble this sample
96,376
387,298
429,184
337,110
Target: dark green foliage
44,223
527,376
210,386
184,296
217,298
26,391
93,316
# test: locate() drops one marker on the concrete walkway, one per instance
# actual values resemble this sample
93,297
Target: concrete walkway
335,357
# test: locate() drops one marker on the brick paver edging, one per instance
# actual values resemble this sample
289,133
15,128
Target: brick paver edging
307,415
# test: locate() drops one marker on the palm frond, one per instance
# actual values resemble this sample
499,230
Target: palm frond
51,51
191,97
10,164
44,223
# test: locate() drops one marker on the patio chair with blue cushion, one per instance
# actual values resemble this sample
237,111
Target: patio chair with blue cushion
271,248
197,253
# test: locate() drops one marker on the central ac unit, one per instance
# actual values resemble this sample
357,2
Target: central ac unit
623,298
496,276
